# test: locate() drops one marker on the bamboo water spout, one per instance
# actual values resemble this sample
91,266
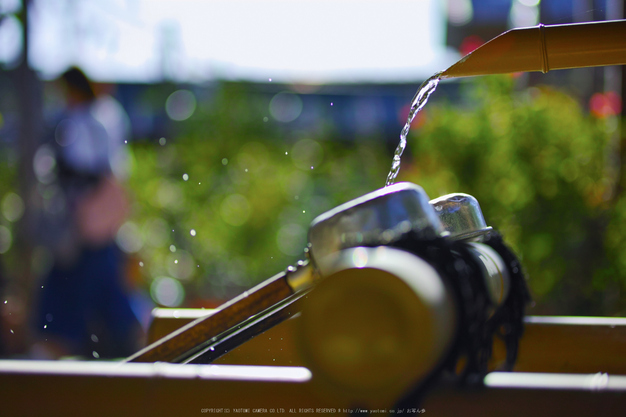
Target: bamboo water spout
546,47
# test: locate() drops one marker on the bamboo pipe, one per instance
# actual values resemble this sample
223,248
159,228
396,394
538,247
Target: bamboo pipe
546,47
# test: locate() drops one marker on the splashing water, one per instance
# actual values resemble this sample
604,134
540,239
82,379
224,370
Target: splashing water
417,103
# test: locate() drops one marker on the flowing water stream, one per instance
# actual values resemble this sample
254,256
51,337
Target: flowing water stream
417,103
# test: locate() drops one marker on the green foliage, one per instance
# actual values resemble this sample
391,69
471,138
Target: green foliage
226,202
535,162
247,187
533,159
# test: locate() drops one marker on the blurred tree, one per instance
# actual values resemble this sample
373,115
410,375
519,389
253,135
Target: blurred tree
227,203
536,163
29,102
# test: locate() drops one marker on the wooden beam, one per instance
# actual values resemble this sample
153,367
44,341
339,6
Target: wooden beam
63,388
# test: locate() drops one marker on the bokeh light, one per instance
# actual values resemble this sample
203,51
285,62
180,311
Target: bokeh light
524,13
6,239
155,231
306,153
286,107
235,210
167,291
606,104
11,42
291,239
12,207
460,12
253,157
44,164
181,265
129,237
169,195
180,105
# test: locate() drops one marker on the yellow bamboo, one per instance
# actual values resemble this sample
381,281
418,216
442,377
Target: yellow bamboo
546,47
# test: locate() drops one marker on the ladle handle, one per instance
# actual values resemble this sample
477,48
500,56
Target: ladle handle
546,47
233,312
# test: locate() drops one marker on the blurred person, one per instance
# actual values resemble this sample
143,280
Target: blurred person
83,308
110,113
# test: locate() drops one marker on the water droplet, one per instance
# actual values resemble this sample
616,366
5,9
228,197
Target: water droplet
162,141
311,167
199,183
175,261
125,141
198,266
42,286
224,161
265,119
6,301
304,211
185,177
270,80
45,326
141,264
192,232
331,103
12,331
172,247
95,354
94,338
211,349
246,169
286,153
